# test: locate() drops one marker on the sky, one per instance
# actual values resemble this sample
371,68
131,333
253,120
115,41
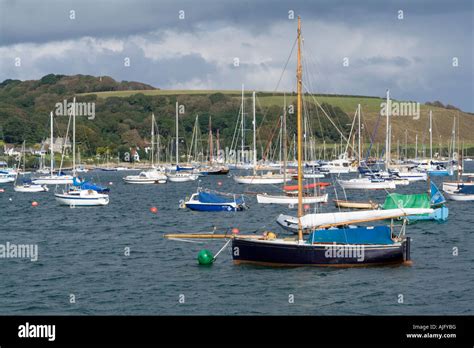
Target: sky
423,53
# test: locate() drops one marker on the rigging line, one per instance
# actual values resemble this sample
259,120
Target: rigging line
279,80
342,135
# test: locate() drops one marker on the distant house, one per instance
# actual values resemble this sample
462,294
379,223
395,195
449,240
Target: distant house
59,144
11,150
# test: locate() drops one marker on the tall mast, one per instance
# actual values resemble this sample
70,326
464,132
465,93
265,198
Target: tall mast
299,77
157,143
218,145
416,146
152,138
74,137
431,136
285,150
254,137
177,140
387,135
51,145
242,125
358,147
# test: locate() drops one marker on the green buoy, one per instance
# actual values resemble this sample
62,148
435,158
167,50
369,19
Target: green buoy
205,257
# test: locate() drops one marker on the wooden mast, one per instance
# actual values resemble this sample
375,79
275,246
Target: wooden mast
299,77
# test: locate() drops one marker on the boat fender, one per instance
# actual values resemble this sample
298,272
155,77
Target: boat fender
182,205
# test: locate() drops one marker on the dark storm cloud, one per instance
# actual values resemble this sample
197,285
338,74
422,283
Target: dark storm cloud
412,56
43,21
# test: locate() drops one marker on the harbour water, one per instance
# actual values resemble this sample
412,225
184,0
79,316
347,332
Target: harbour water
82,253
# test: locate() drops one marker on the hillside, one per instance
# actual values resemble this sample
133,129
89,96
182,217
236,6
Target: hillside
123,114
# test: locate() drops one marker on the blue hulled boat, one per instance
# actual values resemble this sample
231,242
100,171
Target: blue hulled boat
209,201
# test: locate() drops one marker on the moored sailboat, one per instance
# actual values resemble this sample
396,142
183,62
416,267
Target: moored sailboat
212,201
259,179
78,195
52,179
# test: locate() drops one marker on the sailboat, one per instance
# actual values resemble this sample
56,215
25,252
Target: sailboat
52,179
182,174
27,185
77,195
154,175
431,167
257,179
206,200
460,190
213,168
291,196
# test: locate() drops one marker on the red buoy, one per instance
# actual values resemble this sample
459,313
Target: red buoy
306,207
219,183
235,230
2,190
34,204
154,210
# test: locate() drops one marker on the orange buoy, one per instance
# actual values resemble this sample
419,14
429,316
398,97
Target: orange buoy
154,210
34,204
235,230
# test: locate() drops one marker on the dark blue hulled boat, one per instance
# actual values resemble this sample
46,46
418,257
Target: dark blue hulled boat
345,246
209,201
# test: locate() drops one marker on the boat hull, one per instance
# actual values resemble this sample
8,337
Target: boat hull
53,180
355,205
65,199
439,214
137,180
292,254
259,180
459,196
184,178
356,184
31,188
212,207
269,199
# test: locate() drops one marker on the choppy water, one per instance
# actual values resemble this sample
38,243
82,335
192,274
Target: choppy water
81,252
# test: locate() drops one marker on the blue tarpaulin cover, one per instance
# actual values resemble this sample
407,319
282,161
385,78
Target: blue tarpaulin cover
90,186
207,197
358,235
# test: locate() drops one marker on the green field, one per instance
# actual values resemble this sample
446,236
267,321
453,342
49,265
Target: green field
370,108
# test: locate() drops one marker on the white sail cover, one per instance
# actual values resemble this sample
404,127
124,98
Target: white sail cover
315,220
